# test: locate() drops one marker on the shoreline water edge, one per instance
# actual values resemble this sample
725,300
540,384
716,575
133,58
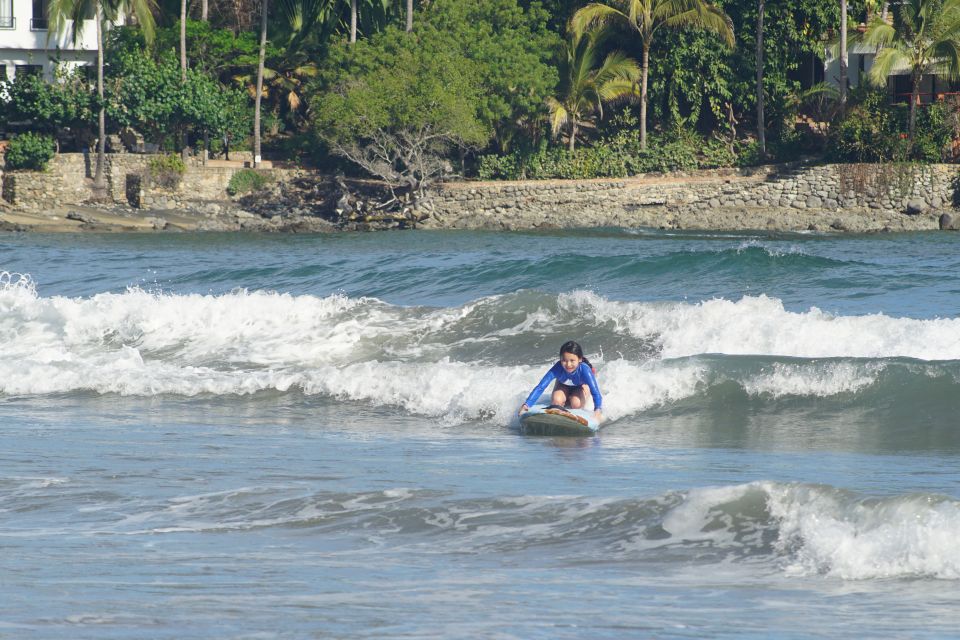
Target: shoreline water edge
786,198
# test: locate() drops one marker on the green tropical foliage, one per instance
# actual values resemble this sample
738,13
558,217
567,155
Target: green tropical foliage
478,87
923,37
149,96
64,108
586,86
67,15
645,18
30,151
396,105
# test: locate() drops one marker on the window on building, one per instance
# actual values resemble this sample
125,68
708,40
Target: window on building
27,69
7,21
39,20
3,72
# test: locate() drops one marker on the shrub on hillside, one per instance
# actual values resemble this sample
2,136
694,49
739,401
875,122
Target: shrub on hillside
246,181
30,151
166,170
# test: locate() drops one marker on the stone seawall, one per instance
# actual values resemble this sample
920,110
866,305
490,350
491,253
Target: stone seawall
68,179
859,197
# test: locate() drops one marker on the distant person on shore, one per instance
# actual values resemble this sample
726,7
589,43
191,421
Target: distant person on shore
575,379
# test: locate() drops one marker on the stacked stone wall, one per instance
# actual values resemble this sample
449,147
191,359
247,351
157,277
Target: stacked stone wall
855,197
69,178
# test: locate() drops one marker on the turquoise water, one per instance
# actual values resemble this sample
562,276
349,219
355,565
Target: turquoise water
286,437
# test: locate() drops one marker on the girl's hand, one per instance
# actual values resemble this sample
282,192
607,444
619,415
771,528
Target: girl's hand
598,415
523,409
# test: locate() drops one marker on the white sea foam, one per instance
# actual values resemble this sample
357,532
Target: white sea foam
817,379
823,531
761,325
145,343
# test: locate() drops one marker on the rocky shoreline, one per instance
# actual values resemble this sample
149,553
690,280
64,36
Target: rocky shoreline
818,199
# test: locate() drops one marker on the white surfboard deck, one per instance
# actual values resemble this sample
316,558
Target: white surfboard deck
544,420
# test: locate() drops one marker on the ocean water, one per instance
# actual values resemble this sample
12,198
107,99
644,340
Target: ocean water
264,437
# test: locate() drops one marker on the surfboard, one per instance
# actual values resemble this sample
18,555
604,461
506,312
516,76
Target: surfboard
550,420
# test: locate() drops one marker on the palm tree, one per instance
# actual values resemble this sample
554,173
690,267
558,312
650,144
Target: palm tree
259,96
844,58
761,121
646,17
586,87
68,15
353,21
183,41
923,36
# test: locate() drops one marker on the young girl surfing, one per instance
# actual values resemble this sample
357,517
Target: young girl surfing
575,379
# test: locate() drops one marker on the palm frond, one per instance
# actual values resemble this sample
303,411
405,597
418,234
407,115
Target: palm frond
558,115
598,16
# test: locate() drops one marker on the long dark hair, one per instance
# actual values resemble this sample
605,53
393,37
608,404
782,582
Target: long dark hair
573,347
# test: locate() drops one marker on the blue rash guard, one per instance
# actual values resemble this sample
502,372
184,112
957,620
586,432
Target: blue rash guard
582,375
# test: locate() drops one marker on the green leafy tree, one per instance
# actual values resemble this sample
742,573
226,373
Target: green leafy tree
512,55
587,86
67,15
396,105
30,151
924,36
792,48
63,106
149,96
645,18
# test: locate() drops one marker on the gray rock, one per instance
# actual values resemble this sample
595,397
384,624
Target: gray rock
80,217
949,222
915,206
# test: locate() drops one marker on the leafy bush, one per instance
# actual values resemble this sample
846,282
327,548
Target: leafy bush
30,151
166,170
246,181
615,155
870,131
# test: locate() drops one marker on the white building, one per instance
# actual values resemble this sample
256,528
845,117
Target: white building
26,46
899,84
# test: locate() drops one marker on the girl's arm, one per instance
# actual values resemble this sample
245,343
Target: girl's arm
594,389
548,377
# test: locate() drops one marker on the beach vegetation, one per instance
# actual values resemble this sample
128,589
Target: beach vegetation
587,84
166,170
63,108
644,19
247,181
922,36
412,93
397,106
31,151
148,95
65,16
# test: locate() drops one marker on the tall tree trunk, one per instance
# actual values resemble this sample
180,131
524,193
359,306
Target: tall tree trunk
184,142
914,99
761,121
256,109
353,21
573,134
205,10
99,180
643,95
844,58
183,41
409,16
